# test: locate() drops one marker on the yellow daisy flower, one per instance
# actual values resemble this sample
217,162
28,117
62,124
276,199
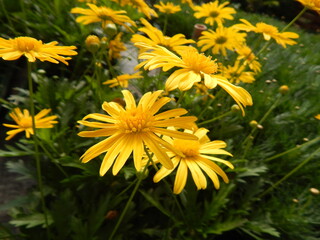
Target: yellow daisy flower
245,53
140,5
116,46
268,32
133,128
123,80
104,15
24,122
168,8
237,74
317,116
311,4
213,12
189,2
156,37
193,66
197,158
32,49
220,40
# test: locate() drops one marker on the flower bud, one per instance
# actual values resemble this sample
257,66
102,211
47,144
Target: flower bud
253,123
110,29
314,191
283,89
235,108
92,43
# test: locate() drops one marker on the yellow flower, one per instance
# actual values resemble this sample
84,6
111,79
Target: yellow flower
168,8
123,79
24,122
12,49
140,5
268,32
134,128
237,74
317,116
156,37
213,12
311,4
248,57
88,1
220,40
197,158
189,2
92,43
116,46
193,66
104,15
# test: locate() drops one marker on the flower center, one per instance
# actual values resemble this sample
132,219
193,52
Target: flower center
214,14
135,121
199,63
268,29
221,40
26,44
103,13
25,122
189,148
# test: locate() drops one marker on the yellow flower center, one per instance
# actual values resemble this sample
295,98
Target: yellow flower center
103,13
214,14
198,62
25,122
135,121
26,44
221,40
189,148
267,29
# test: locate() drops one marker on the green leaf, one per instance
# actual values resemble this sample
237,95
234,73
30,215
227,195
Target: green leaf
36,219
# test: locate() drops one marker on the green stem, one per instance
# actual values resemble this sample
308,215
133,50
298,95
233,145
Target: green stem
292,149
8,17
182,93
38,164
165,24
134,191
289,174
295,19
214,119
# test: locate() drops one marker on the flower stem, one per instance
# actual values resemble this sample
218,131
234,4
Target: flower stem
292,149
133,193
289,174
38,164
182,93
165,24
216,118
295,19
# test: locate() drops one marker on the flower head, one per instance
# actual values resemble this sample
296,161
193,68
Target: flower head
12,49
268,32
311,4
197,158
122,80
156,37
24,122
193,67
104,15
116,46
237,73
132,129
167,8
213,12
221,39
140,5
248,57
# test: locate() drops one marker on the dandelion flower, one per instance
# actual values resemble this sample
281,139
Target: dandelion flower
220,40
116,46
104,15
24,122
133,128
311,4
237,73
197,158
268,32
123,79
168,8
156,37
193,66
32,49
213,12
